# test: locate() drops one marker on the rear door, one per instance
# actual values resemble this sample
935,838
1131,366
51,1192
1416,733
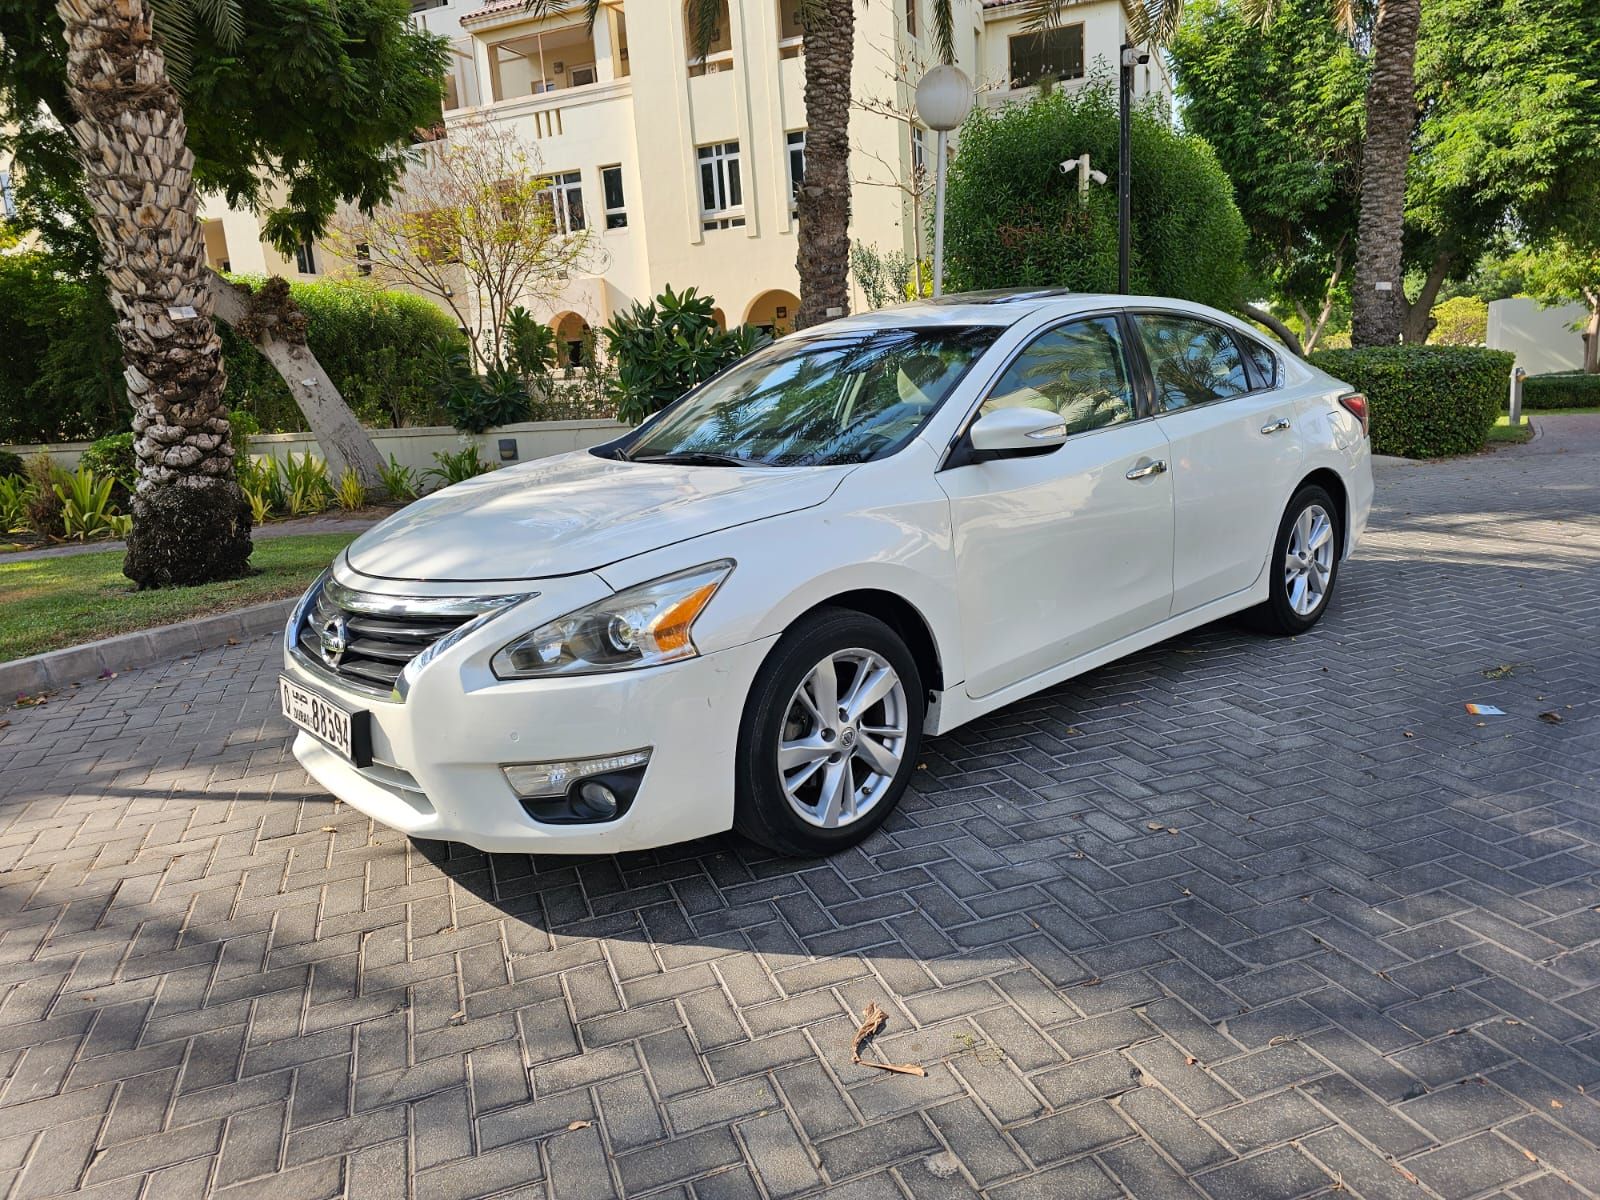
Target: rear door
1060,553
1236,450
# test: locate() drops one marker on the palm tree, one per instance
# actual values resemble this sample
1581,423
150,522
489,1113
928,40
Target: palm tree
191,523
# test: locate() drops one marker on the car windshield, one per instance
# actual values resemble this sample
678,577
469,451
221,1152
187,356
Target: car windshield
817,400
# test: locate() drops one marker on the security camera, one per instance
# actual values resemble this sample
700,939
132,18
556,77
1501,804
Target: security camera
1097,176
1068,167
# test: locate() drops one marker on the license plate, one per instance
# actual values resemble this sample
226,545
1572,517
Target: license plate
350,733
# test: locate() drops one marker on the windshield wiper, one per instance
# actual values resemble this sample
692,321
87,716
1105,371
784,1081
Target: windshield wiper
698,458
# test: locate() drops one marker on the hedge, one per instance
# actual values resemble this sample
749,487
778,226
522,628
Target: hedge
1426,401
1565,389
378,346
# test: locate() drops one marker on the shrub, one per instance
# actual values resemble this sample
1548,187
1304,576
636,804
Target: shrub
1426,401
60,364
1462,321
665,347
43,506
113,458
456,466
376,345
1566,389
399,480
350,494
13,504
10,465
86,504
1012,219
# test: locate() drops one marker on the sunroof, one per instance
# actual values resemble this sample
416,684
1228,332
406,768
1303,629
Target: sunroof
1001,296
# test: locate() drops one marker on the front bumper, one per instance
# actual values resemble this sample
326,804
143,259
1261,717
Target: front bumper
437,755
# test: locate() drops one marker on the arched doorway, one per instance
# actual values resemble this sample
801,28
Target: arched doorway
571,330
773,311
720,317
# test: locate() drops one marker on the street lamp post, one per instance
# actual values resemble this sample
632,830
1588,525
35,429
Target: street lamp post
944,98
1132,56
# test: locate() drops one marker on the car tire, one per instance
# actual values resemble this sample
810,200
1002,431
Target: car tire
811,782
1304,567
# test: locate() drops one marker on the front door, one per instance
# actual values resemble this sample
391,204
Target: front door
1061,553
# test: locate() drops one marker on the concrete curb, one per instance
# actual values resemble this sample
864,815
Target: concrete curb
74,664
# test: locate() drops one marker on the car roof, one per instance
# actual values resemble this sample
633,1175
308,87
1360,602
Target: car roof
1006,306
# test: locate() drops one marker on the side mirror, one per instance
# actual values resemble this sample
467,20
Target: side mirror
1011,431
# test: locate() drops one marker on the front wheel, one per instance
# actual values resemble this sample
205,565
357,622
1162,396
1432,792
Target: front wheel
830,735
1305,563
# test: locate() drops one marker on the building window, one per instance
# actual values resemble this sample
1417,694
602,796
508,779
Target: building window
721,193
305,258
8,196
919,150
363,259
911,18
424,5
611,191
718,41
797,166
564,198
1048,54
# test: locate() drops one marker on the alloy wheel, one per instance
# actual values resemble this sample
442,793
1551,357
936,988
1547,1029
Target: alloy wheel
1308,560
843,738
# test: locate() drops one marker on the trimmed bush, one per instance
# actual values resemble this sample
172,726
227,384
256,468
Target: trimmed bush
1426,401
377,345
112,457
1565,389
1012,219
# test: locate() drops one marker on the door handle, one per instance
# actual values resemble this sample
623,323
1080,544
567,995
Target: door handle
1277,426
1159,467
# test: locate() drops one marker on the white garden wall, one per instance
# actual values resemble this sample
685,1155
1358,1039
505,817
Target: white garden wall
1543,339
414,448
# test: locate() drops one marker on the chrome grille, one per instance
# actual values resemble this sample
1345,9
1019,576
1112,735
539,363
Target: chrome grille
365,640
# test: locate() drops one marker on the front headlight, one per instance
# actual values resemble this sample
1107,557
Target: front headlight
641,626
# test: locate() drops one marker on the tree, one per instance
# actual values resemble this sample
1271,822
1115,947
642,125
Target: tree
255,129
190,521
1282,105
479,228
1012,218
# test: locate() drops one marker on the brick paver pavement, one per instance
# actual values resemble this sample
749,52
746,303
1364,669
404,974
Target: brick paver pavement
1236,918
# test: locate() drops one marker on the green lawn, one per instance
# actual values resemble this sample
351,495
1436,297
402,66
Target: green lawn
1502,432
47,603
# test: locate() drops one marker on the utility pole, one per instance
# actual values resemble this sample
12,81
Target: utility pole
1132,56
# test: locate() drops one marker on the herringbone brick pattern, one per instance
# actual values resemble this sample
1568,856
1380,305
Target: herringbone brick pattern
1234,918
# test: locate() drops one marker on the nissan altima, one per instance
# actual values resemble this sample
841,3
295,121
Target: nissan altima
748,612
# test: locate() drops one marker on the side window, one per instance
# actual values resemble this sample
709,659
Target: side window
1192,361
1263,360
1078,370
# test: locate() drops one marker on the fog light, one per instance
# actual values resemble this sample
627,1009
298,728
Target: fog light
539,781
596,801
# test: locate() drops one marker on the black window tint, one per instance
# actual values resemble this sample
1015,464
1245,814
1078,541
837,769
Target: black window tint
1264,361
1191,361
1077,370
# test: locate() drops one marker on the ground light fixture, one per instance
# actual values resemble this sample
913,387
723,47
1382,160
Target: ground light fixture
944,98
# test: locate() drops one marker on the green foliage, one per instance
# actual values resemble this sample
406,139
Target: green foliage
666,347
530,344
1426,401
377,345
306,487
350,493
1565,389
885,277
399,481
113,458
475,402
1012,219
1283,106
86,504
300,112
13,504
10,464
455,466
60,364
1462,321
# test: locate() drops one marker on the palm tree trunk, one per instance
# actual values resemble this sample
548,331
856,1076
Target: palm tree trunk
190,520
823,242
1378,315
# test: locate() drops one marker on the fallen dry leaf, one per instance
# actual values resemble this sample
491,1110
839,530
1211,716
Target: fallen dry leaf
1531,1156
1409,734
1557,1104
1190,1059
872,1020
233,641
1550,718
1153,826
329,829
579,1124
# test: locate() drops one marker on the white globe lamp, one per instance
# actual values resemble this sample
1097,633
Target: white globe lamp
944,98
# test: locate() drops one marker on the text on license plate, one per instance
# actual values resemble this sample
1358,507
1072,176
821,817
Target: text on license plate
343,731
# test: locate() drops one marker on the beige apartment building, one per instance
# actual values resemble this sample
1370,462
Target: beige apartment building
684,166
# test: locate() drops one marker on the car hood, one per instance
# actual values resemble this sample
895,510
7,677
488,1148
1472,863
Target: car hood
576,512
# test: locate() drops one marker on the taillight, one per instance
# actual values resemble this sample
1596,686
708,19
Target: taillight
1356,405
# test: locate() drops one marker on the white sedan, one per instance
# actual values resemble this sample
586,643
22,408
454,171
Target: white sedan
748,612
